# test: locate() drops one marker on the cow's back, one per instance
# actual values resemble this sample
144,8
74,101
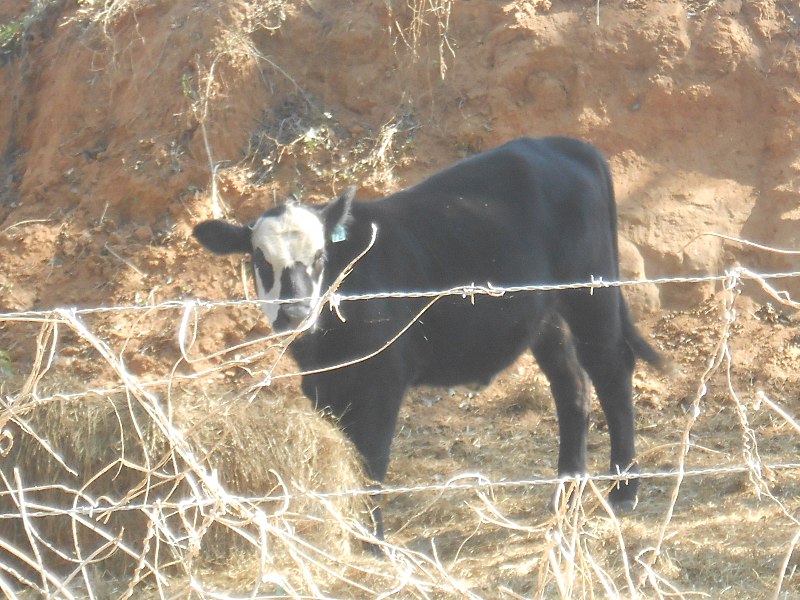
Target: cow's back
532,210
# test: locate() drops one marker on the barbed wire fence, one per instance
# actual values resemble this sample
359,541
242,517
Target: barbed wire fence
174,504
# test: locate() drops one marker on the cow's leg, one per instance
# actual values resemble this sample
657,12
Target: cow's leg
370,425
595,322
366,404
554,350
371,434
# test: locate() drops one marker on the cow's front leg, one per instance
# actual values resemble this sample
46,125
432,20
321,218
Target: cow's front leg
366,404
371,430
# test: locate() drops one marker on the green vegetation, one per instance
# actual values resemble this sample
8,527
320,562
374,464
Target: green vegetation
6,364
14,32
10,37
187,87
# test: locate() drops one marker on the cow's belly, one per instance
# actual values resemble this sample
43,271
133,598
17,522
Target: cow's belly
468,367
472,344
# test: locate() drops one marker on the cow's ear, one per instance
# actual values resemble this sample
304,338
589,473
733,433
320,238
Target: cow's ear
222,237
336,215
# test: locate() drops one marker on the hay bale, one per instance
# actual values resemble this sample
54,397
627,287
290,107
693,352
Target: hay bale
112,451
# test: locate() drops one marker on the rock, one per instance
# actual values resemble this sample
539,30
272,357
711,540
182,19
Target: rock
643,299
143,234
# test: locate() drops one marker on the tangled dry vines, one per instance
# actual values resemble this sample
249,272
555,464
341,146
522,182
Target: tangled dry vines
203,479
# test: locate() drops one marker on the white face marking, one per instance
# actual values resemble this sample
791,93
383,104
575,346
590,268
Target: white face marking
295,236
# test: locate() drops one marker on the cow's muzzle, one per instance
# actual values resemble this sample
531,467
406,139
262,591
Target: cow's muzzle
291,316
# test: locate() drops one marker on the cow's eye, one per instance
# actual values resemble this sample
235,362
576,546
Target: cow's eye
319,262
263,270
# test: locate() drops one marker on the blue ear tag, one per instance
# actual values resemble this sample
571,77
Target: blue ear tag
339,234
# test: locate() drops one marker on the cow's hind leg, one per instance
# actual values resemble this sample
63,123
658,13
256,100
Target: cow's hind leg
554,350
595,322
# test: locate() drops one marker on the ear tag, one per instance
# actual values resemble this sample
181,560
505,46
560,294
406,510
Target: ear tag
339,234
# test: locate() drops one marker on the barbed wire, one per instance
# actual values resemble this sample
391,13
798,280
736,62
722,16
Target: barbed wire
731,277
467,291
457,483
464,291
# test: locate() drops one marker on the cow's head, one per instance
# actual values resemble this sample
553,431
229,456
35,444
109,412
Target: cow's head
288,249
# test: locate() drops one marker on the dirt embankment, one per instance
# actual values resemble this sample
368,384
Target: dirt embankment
112,119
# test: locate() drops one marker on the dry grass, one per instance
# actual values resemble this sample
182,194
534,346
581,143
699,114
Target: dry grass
169,498
176,489
199,489
426,22
150,487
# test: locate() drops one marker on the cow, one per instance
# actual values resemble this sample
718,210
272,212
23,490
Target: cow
535,210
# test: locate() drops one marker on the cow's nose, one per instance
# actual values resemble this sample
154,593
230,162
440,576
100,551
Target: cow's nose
290,316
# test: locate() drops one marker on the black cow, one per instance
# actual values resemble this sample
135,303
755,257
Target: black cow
531,211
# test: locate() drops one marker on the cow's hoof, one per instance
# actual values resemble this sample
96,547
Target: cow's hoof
622,507
623,495
375,550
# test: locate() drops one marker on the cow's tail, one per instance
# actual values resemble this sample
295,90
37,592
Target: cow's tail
640,347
